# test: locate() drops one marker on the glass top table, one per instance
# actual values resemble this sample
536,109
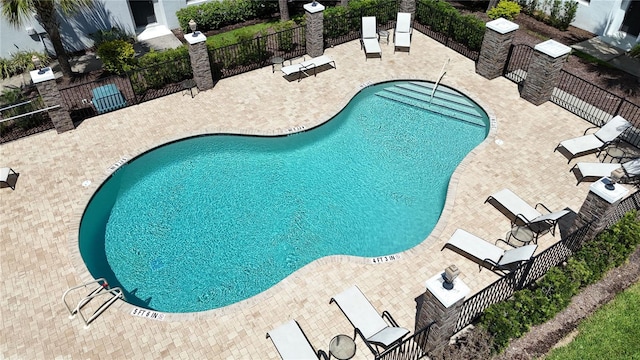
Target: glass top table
342,347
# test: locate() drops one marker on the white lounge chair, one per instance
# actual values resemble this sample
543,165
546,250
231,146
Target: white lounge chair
367,323
488,255
520,212
586,170
590,143
369,39
293,344
5,172
308,67
403,31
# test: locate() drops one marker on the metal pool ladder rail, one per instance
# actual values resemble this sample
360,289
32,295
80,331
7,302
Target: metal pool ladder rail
435,86
101,289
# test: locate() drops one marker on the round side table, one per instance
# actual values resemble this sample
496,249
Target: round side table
384,34
342,347
277,60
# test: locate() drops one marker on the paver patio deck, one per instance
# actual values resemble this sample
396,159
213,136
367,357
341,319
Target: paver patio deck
39,220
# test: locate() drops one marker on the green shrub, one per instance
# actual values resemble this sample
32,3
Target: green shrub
551,294
635,51
115,33
284,35
157,69
506,9
117,56
21,62
216,14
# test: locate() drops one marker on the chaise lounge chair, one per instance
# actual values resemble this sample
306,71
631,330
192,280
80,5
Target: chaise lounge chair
293,344
308,67
372,328
369,40
586,170
591,143
488,255
521,213
5,172
402,33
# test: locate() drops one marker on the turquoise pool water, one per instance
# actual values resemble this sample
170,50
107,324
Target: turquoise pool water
209,221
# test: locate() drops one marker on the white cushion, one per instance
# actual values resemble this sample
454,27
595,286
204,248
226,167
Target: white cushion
291,342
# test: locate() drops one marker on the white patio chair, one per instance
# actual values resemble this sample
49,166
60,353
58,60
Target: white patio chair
293,344
403,31
369,38
367,322
5,173
587,170
591,143
520,212
489,255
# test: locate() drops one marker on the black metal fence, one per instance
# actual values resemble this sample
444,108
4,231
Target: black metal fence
517,65
24,115
137,86
344,26
534,269
411,348
577,95
255,53
160,80
461,34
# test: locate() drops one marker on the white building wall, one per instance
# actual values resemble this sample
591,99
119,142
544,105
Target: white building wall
74,30
604,18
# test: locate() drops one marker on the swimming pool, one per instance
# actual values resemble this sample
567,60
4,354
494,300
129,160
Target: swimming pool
208,221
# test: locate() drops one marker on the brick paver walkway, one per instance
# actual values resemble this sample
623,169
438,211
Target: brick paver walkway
39,220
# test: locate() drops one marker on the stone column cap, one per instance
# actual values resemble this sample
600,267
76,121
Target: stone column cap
611,196
313,9
502,25
195,39
36,77
553,48
447,297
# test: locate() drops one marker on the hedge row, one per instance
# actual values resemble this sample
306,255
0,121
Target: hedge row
216,14
514,317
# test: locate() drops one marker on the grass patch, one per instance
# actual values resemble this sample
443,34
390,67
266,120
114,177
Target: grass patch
537,35
231,37
611,331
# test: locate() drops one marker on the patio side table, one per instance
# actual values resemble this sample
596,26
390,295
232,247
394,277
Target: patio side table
342,347
384,34
276,60
188,85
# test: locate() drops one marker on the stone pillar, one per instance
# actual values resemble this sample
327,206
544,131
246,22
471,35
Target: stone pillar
45,82
598,205
315,28
494,53
544,71
408,6
442,306
200,60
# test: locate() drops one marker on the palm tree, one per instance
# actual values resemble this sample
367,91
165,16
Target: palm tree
284,10
46,11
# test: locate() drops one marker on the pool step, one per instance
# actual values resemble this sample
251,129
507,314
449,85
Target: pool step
445,102
438,100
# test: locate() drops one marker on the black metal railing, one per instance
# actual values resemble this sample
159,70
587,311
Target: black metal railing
78,99
253,54
459,33
26,116
518,60
412,348
152,82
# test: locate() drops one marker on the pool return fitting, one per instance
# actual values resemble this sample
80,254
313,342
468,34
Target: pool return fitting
101,290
